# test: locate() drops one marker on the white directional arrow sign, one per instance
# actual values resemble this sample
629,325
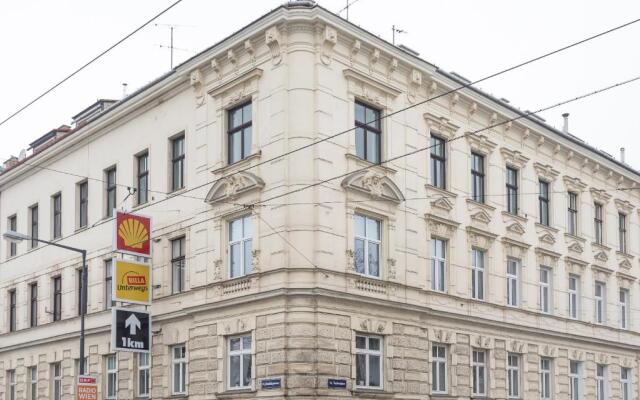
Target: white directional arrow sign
133,323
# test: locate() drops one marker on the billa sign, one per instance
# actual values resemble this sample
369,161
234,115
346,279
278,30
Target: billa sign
131,282
132,234
130,330
87,388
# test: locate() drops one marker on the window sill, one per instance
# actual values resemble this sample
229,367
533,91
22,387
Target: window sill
178,396
365,163
238,164
371,393
546,227
625,255
235,393
575,237
600,246
443,192
481,205
517,217
175,193
80,229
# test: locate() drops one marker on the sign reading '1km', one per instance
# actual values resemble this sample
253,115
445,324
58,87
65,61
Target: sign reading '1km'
130,330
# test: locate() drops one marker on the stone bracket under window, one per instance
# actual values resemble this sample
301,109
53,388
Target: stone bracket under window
373,184
232,186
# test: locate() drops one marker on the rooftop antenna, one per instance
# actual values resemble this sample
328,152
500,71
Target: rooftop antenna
396,30
171,28
349,4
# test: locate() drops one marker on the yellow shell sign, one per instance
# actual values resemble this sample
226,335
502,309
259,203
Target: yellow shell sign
131,282
132,234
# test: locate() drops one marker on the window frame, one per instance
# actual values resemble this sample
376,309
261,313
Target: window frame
182,363
477,273
368,128
626,383
240,353
513,371
439,265
178,160
12,385
574,307
512,189
368,353
513,283
572,213
544,202
33,382
478,177
56,216
142,177
624,309
12,223
178,263
83,204
109,373
575,380
108,284
245,240
56,298
546,378
438,180
601,382
598,223
479,372
600,303
622,233
111,190
367,242
143,373
56,380
33,304
438,363
13,309
231,130
34,225
546,290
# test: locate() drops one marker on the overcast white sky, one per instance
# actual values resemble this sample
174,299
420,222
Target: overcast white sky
41,41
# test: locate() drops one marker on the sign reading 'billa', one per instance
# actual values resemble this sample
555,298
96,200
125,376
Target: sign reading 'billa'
131,281
132,234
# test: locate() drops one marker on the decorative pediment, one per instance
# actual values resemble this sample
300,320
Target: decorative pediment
441,227
575,247
574,184
625,264
237,90
274,41
373,184
626,362
442,203
546,257
546,172
480,143
516,228
601,256
602,358
371,325
547,238
600,273
328,40
232,186
441,125
515,248
547,351
574,265
623,206
480,238
576,355
514,158
480,216
516,346
482,342
599,195
370,89
441,336
625,281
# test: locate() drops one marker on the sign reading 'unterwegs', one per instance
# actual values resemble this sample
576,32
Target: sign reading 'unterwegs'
131,282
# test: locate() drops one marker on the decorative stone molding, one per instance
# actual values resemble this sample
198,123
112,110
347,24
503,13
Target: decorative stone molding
516,227
602,358
626,362
351,264
374,184
368,285
255,259
442,203
546,172
196,80
215,66
515,248
574,184
392,67
455,99
547,351
234,326
440,125
391,268
600,273
237,90
232,186
355,49
601,256
480,238
415,82
442,336
574,265
371,325
328,41
514,158
600,195
575,247
374,57
473,108
248,47
482,342
546,257
479,215
547,238
273,40
369,88
576,355
625,281
516,346
480,143
623,206
624,261
233,59
217,270
441,227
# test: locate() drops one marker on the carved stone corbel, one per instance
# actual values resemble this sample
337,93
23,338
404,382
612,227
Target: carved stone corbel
274,42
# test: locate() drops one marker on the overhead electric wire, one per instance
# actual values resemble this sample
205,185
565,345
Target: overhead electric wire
71,75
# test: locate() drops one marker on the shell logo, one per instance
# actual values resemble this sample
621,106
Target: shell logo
133,233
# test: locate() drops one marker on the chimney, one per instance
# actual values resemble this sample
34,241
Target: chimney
565,127
124,90
622,155
10,162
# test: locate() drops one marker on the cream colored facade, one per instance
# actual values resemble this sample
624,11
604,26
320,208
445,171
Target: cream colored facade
302,69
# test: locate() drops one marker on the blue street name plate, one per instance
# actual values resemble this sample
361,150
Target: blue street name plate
274,383
337,383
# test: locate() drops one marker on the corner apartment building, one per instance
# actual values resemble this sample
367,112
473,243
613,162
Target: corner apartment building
501,262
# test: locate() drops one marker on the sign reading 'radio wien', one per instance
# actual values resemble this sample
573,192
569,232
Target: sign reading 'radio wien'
131,281
132,234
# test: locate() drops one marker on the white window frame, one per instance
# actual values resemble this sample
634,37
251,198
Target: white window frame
177,362
601,382
239,353
546,378
56,381
626,392
246,239
143,374
11,377
111,371
546,290
479,372
477,273
600,303
575,381
33,383
368,239
368,353
624,308
513,283
439,265
437,364
574,294
513,375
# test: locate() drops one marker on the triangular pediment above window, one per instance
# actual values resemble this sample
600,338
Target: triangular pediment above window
481,216
547,238
232,186
442,203
626,264
575,247
516,228
601,256
373,184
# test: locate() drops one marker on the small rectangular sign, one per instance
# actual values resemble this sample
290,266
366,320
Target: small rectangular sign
130,330
272,383
87,388
131,282
132,234
337,383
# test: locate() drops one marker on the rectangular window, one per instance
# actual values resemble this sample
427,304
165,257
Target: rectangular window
57,298
142,186
368,133
110,191
240,247
81,309
177,163
33,230
368,362
239,132
56,202
622,232
575,378
513,283
543,199
111,381
572,223
56,381
12,310
178,264
479,372
11,377
438,264
438,369
625,384
143,374
601,382
546,390
574,296
33,304
513,375
598,222
438,162
600,302
545,290
12,222
512,191
83,204
239,362
624,308
108,284
477,274
367,245
179,369
33,383
477,177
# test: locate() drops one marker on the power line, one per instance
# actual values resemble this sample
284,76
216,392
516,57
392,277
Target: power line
89,62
